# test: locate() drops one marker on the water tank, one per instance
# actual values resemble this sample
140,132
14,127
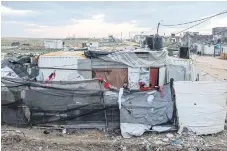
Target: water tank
154,42
184,52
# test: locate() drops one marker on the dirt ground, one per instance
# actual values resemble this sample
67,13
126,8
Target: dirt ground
214,66
93,140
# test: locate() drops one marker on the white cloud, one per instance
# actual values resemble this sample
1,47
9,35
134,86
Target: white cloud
9,11
95,27
133,21
98,17
26,24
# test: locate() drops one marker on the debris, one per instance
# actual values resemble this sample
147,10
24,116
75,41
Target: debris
173,142
159,142
40,148
165,139
161,128
150,98
46,132
64,131
170,136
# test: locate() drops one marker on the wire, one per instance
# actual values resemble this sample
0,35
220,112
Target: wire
54,88
192,26
14,86
197,20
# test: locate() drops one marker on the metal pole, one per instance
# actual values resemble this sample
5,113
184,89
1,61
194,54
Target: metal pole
158,27
121,37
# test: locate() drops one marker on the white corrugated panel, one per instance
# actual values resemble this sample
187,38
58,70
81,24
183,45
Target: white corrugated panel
60,62
50,44
53,44
175,72
162,75
184,63
224,49
201,106
59,44
208,50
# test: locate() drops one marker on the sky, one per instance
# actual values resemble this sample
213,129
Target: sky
99,19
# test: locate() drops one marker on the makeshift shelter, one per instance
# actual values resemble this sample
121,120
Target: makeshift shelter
128,90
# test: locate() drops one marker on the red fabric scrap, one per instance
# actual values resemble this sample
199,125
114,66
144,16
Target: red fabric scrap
51,76
106,85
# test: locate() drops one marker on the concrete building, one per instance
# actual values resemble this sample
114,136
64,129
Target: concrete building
195,37
220,31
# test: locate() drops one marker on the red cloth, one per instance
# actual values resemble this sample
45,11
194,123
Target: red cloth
145,88
100,79
51,76
106,85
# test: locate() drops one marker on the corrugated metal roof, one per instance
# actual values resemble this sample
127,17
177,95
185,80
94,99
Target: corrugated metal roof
66,53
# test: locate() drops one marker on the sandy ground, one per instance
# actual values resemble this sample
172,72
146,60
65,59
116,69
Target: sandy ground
214,66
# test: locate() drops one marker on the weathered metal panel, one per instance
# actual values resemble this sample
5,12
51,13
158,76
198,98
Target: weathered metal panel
99,63
65,62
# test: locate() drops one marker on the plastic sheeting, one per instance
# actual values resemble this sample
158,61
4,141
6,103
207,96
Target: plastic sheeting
136,75
95,54
78,105
13,69
138,109
8,72
128,129
156,58
201,106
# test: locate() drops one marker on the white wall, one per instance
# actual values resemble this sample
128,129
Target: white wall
53,44
208,50
59,62
201,106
